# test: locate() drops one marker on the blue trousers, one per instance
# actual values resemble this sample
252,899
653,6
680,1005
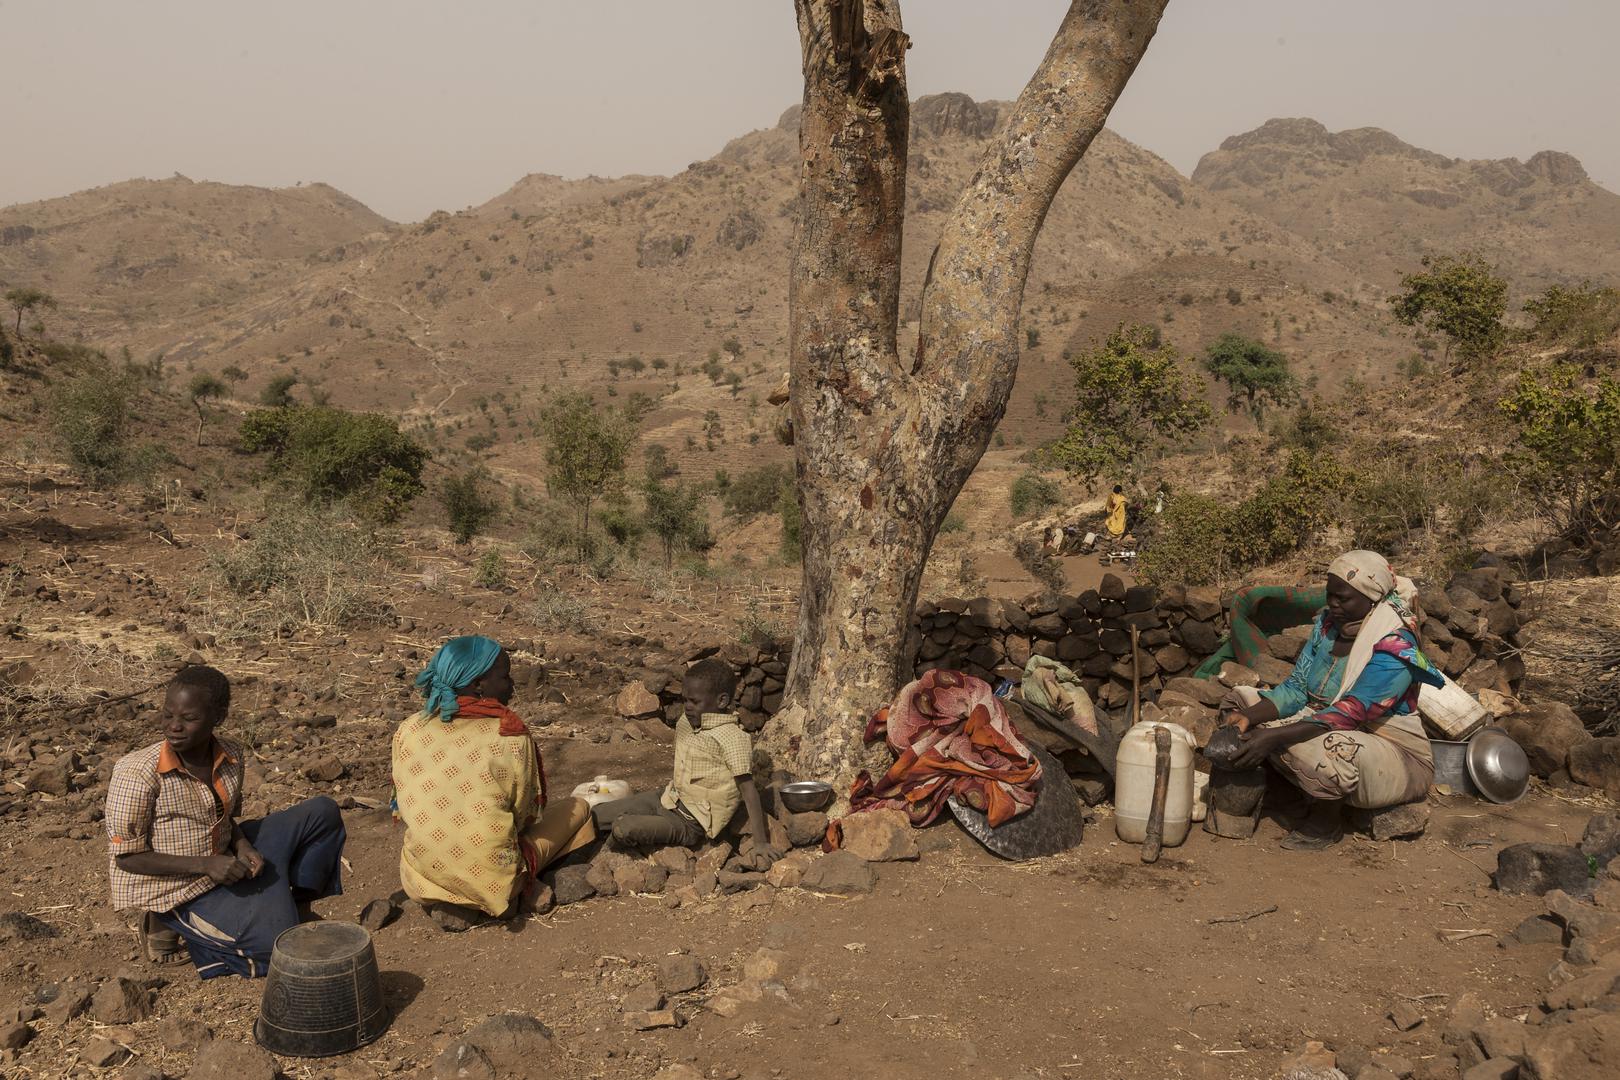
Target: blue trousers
231,928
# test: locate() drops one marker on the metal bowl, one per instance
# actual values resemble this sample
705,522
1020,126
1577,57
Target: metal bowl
803,796
1497,765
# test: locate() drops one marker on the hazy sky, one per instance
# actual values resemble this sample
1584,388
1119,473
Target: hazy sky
416,105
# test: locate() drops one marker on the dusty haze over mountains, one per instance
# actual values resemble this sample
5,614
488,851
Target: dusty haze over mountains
412,106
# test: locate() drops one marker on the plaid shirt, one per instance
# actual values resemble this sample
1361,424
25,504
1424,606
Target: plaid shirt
155,804
708,760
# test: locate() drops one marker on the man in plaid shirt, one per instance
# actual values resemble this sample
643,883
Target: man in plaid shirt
178,854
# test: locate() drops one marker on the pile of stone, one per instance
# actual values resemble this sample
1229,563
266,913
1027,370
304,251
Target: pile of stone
685,876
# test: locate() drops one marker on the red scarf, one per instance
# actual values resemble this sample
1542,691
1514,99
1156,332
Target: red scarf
511,724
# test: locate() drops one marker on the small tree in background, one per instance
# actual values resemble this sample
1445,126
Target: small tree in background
1580,317
1130,394
585,453
1460,297
1569,446
277,393
202,389
25,300
468,504
1254,375
675,516
658,465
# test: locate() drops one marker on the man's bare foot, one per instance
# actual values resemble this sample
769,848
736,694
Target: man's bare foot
159,944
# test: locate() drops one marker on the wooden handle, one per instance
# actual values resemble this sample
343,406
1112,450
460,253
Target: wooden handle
1136,676
1161,790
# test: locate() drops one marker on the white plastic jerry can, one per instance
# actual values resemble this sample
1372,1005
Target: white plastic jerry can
602,790
1133,784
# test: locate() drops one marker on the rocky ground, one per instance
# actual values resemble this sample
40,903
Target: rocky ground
927,957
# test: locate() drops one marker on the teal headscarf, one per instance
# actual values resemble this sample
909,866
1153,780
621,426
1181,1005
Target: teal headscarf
458,662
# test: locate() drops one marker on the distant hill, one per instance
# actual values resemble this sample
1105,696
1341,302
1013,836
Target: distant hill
1366,198
126,258
1288,233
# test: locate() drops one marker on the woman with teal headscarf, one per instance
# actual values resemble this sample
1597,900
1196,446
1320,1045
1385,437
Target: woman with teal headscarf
470,788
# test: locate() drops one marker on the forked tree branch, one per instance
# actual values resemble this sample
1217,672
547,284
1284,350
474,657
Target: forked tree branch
971,309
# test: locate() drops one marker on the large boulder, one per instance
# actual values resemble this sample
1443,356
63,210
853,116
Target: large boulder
225,1059
635,700
1537,869
1586,1048
883,835
841,873
514,1044
1596,763
1547,731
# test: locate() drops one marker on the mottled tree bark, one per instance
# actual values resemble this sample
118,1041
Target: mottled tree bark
883,444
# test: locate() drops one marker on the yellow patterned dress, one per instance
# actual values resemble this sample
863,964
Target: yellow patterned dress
469,798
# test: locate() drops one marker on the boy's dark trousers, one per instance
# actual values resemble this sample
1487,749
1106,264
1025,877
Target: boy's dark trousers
642,821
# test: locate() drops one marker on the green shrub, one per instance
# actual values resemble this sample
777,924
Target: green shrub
89,414
1202,541
329,454
954,523
1031,493
305,565
468,504
620,523
756,491
555,609
490,571
1568,446
8,352
1580,317
277,393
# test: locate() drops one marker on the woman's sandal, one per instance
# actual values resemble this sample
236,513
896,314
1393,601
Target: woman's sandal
159,944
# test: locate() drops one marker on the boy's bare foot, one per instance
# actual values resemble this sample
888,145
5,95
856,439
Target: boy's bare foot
159,944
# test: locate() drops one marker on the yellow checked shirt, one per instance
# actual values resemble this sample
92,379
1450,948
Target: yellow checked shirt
708,760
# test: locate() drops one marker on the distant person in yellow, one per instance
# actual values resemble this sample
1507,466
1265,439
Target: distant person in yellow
471,791
1116,512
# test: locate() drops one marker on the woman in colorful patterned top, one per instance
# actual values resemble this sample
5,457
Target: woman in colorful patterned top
471,790
1344,726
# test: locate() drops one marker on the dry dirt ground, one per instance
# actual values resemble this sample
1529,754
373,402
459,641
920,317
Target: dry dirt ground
1089,964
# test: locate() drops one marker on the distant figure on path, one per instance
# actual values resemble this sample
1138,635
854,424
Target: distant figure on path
1116,512
177,852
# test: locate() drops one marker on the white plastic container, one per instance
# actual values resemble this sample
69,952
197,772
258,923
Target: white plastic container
602,790
1451,710
1133,784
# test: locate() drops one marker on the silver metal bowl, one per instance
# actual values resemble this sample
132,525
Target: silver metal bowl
1497,765
803,796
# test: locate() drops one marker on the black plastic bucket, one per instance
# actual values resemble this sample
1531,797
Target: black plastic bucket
323,994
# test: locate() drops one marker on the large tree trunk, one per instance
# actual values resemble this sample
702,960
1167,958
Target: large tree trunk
884,445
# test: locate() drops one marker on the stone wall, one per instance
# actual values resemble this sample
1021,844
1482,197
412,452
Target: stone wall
1470,629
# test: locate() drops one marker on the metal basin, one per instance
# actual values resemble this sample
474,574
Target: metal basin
803,796
1497,765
